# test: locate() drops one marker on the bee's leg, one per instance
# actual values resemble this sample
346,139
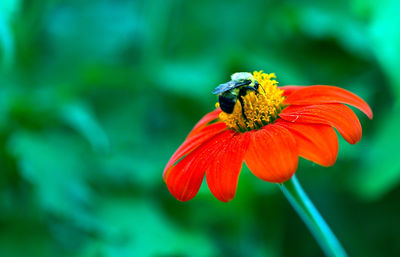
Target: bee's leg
242,93
255,88
242,103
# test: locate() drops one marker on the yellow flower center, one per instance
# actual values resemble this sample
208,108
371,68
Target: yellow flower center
260,108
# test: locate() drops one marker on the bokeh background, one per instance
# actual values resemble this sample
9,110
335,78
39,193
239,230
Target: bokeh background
95,96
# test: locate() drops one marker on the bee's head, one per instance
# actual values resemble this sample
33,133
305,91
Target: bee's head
242,76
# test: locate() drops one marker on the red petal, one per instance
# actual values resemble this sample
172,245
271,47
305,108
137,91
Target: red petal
191,143
204,121
338,116
272,155
327,94
288,90
223,174
185,178
317,143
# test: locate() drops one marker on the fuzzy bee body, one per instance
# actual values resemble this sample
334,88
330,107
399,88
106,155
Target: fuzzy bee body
230,92
227,100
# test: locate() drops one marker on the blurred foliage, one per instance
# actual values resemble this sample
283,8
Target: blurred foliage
96,95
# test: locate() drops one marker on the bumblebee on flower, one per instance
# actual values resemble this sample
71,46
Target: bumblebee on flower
266,126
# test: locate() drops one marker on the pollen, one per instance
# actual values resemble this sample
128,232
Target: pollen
260,108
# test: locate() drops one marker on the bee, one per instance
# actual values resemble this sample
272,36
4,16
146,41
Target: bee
241,83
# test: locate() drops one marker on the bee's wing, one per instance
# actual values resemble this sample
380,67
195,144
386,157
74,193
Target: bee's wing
228,86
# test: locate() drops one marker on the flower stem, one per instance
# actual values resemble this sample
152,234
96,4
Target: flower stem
311,217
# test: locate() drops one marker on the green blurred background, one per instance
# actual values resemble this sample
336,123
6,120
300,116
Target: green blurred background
95,96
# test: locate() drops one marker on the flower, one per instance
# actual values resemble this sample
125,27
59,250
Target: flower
280,124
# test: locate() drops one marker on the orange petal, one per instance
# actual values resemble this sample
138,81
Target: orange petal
338,116
185,178
223,174
204,121
202,135
288,90
272,155
315,142
327,94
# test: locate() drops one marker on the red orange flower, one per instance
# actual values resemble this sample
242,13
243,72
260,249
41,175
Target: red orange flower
281,124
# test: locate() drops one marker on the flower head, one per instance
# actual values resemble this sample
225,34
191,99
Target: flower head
275,127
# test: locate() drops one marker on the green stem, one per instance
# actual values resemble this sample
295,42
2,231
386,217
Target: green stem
311,217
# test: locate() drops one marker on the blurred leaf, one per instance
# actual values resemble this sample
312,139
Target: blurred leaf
8,8
79,116
386,39
380,170
75,32
188,78
23,238
324,20
54,166
137,228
